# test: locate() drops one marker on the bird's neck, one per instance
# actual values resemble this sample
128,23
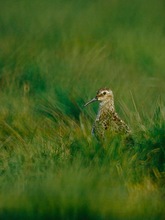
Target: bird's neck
106,107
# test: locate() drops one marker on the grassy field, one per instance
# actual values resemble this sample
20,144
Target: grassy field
54,56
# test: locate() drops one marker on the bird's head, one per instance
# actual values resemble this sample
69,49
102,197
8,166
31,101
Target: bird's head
103,95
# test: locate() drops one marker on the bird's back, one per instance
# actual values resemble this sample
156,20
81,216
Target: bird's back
109,122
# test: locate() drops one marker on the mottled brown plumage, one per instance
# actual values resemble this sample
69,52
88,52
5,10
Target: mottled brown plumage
107,119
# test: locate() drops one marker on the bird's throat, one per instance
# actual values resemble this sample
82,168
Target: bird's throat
107,105
106,108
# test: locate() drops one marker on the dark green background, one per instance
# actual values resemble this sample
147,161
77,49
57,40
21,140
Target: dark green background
54,56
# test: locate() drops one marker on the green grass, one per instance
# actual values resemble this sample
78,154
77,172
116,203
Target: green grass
54,56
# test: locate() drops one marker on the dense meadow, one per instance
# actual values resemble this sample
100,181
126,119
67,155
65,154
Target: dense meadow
54,56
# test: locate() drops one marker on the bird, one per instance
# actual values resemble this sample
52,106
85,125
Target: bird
107,120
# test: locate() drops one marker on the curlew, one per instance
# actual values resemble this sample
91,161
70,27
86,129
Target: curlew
107,120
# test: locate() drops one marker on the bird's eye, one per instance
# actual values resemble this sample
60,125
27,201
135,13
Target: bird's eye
104,93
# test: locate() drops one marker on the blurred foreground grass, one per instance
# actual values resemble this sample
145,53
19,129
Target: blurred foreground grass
54,55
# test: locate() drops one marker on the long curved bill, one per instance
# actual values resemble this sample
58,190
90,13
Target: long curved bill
92,100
